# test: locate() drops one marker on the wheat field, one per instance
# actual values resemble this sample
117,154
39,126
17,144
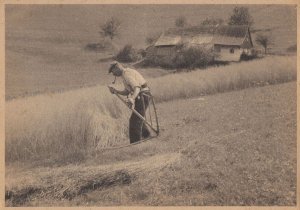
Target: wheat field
73,125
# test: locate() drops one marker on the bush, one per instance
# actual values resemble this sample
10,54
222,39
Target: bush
127,54
246,57
141,53
183,57
180,22
99,47
193,57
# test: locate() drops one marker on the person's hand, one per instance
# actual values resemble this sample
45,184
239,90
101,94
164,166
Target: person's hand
112,90
130,102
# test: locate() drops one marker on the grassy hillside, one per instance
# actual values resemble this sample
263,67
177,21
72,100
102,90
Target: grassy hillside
225,149
45,43
80,23
71,126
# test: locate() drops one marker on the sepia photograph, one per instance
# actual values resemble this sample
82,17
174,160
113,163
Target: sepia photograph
150,105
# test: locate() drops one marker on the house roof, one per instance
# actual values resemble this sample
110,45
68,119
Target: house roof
169,40
223,30
202,39
225,40
223,34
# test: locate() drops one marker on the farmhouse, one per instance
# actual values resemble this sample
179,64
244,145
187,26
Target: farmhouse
227,42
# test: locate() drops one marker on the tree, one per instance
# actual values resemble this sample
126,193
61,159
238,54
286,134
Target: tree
127,54
212,21
264,41
240,16
110,28
180,22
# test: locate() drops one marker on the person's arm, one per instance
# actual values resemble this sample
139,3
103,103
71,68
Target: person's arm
132,98
124,92
113,90
135,93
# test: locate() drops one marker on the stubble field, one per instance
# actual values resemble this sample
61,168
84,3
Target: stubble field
236,148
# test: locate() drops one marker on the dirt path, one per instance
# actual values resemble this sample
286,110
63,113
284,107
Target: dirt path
236,148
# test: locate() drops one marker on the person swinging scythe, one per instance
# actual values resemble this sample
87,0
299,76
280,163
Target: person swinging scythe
138,100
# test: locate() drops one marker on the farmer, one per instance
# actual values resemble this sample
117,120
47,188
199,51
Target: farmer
137,93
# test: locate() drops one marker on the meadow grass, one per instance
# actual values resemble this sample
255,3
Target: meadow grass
71,126
236,76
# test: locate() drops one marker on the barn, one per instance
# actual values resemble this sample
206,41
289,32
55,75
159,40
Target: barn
227,42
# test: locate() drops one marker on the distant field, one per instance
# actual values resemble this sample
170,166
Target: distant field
42,67
45,44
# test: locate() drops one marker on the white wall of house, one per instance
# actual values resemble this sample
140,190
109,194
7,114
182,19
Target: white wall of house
228,53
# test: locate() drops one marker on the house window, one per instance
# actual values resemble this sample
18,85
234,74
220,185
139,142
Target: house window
231,50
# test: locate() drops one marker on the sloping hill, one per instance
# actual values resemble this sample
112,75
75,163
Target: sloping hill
225,149
45,43
138,21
